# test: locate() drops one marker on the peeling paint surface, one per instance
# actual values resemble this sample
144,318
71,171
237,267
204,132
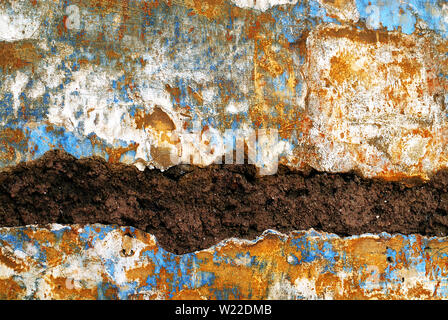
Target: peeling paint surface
108,262
348,85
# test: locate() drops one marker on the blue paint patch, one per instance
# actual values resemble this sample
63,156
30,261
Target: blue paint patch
6,106
43,139
395,15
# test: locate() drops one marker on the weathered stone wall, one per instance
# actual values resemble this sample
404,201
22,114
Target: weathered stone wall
348,85
106,262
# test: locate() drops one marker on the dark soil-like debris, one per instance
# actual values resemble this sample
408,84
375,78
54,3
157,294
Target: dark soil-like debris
190,208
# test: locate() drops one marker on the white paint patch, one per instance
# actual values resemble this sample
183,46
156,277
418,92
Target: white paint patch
282,289
108,250
18,21
378,116
306,288
245,260
17,86
262,5
5,271
37,90
237,107
346,11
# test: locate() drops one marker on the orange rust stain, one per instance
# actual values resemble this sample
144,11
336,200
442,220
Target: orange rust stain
125,15
116,153
140,274
174,92
423,132
367,251
272,58
142,62
96,143
162,156
419,291
11,263
69,243
54,257
10,140
435,255
269,251
340,4
342,68
211,9
300,43
15,136
112,54
196,95
89,111
367,36
149,6
442,49
409,68
11,290
42,236
158,120
328,283
257,25
409,180
187,294
83,62
62,26
408,71
267,59
104,6
18,55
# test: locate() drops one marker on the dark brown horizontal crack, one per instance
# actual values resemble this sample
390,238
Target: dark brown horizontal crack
190,208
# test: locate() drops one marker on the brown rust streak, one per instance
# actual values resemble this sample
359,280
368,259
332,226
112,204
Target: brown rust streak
116,153
338,3
367,36
18,55
11,140
269,110
162,156
158,120
216,10
11,290
196,96
11,263
140,274
174,92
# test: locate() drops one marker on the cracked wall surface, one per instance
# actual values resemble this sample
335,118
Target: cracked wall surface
109,262
347,85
